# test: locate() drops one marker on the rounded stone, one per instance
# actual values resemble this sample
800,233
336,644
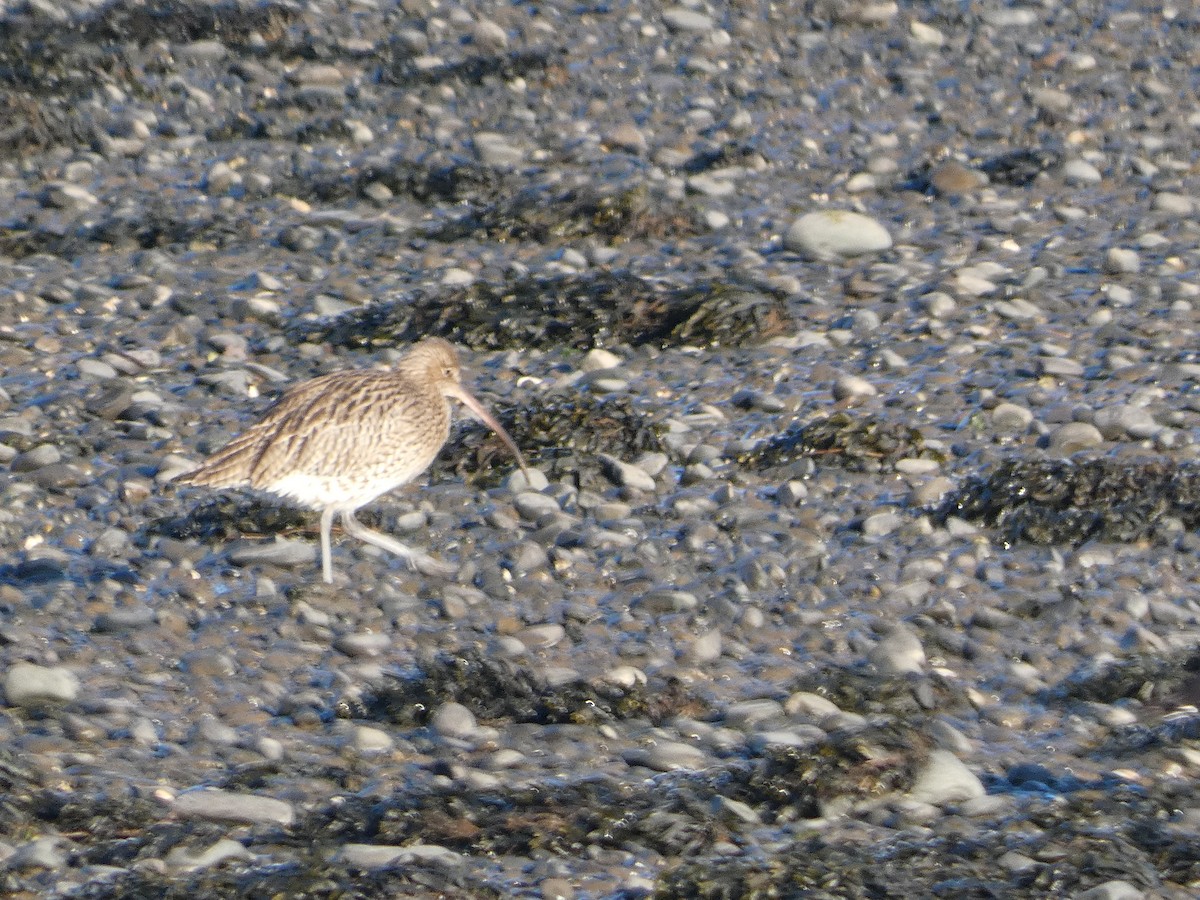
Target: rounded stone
834,233
28,685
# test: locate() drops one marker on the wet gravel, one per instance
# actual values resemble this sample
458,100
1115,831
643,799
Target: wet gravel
854,348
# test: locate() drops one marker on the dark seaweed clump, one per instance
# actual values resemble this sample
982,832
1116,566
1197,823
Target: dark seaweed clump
1164,679
227,517
600,309
499,690
1074,847
863,444
1050,501
531,215
559,434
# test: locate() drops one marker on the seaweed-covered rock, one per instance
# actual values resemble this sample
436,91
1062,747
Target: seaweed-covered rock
581,311
497,689
561,435
866,691
873,762
530,215
225,517
1051,501
1165,679
863,443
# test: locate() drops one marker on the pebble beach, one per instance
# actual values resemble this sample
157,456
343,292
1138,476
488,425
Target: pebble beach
853,350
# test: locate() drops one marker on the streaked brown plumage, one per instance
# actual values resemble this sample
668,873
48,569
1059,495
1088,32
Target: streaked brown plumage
337,442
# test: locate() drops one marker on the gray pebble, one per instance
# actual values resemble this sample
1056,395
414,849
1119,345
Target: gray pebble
379,856
372,740
945,779
668,756
882,523
792,493
682,19
535,507
39,456
833,233
454,720
1011,418
626,474
1117,889
1174,204
279,552
1060,366
1079,171
28,685
1075,436
42,853
226,806
1122,261
748,715
186,859
848,387
666,600
899,652
363,644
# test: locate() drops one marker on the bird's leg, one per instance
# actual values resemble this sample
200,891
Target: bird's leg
326,526
422,562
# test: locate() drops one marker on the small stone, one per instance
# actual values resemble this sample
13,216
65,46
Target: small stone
668,756
1011,418
939,305
497,150
378,856
184,859
1122,261
882,523
945,779
626,474
833,233
848,387
792,493
682,19
489,35
64,195
279,552
42,853
627,136
599,359
372,740
899,652
1078,171
27,685
1116,889
953,179
40,456
1173,204
1075,436
926,35
705,648
227,806
454,720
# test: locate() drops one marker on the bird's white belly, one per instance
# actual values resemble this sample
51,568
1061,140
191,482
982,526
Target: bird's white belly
319,491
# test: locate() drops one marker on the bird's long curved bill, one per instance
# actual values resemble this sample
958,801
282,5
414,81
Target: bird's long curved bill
480,412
